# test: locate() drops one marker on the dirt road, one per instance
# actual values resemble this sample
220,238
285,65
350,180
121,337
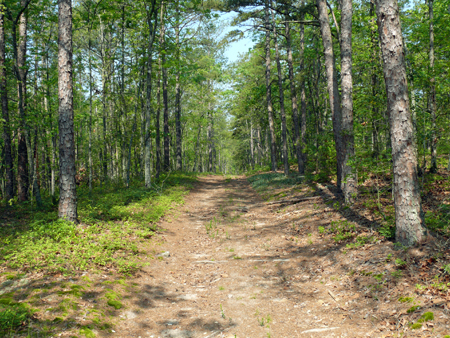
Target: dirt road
226,269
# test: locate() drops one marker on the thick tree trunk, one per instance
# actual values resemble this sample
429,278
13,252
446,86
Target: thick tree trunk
349,176
332,85
68,196
281,97
408,214
432,94
8,161
148,99
273,141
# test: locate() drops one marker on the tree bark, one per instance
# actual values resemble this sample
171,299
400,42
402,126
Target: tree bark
68,196
349,176
9,185
408,214
332,85
281,97
432,94
295,120
148,99
179,165
273,144
21,74
165,94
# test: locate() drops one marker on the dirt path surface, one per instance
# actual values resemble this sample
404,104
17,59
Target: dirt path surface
227,269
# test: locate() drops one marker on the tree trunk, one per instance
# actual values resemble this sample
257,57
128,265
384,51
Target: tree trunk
273,141
68,196
432,94
332,85
165,95
21,74
148,99
179,165
9,185
349,176
295,121
158,119
408,214
281,97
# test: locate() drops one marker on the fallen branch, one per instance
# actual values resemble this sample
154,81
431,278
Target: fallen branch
336,300
295,200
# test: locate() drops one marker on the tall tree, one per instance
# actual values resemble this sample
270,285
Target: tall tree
68,195
281,97
152,14
8,161
432,91
165,91
273,141
408,214
332,84
349,176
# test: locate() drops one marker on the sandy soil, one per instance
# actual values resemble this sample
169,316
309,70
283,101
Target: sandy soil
231,266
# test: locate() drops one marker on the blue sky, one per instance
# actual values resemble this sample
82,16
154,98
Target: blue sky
237,47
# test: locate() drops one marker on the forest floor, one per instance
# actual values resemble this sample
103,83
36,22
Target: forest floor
227,263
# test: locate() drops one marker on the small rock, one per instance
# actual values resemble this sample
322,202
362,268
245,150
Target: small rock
165,254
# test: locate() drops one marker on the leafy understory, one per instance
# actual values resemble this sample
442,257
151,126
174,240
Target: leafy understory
54,270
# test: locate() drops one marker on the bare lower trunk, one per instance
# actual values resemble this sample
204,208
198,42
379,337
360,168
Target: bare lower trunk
295,120
432,94
158,122
179,165
408,213
6,135
68,196
273,144
148,105
349,177
332,85
281,97
20,50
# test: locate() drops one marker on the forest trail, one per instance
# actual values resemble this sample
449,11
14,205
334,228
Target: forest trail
233,273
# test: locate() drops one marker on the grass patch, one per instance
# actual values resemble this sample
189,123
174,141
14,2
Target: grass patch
262,182
13,316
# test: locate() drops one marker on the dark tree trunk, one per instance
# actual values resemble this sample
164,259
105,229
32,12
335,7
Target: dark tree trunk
408,213
9,188
68,196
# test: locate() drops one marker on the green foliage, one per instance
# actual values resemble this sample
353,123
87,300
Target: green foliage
343,230
13,315
111,219
262,182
